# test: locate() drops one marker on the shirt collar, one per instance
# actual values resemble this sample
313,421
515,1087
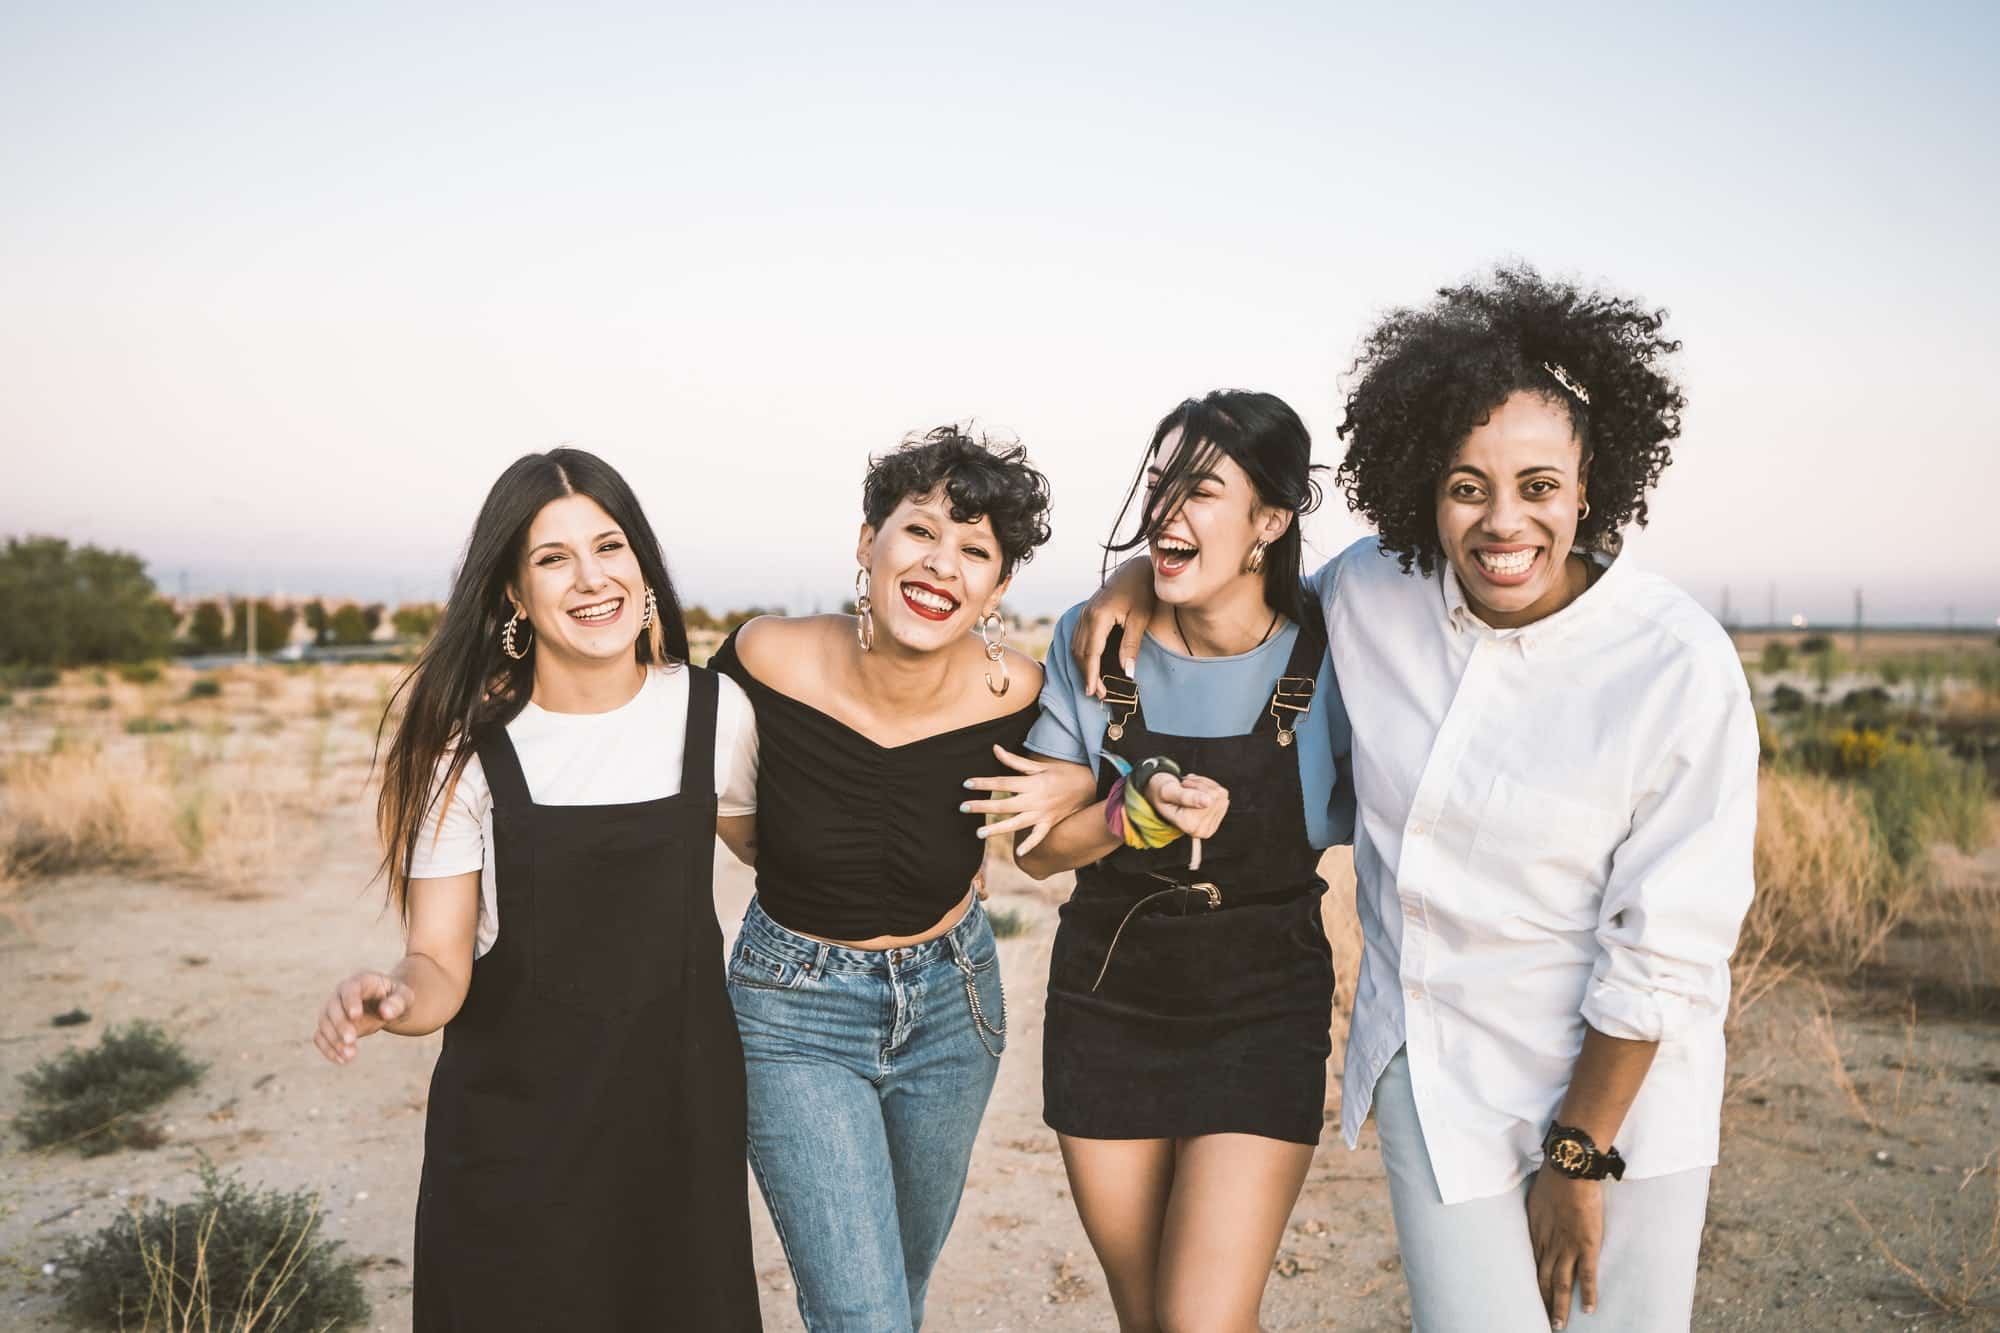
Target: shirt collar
1545,633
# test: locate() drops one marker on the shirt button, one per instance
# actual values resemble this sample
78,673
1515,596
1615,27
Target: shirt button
1417,830
1416,994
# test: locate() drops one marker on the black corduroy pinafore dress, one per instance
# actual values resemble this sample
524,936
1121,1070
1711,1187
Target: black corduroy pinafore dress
583,1154
1186,1002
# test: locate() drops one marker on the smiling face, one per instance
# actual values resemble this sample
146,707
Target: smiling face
578,583
1508,508
931,577
1204,546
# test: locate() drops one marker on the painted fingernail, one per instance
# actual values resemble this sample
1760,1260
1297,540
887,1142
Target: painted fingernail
965,807
967,784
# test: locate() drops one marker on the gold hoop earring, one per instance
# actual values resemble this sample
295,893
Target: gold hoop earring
507,644
864,611
992,633
651,611
1255,564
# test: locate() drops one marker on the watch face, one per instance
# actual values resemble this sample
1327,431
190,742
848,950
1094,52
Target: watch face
1568,1155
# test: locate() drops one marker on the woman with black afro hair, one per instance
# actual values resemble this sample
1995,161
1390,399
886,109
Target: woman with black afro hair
1555,759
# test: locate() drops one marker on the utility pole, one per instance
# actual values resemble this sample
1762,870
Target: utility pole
1771,607
1857,621
249,619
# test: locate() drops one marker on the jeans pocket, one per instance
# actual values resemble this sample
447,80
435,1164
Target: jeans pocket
751,967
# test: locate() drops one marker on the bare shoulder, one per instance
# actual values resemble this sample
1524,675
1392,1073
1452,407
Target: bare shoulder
783,651
1024,684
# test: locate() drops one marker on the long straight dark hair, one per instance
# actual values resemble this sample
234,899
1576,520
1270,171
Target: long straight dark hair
1272,446
462,682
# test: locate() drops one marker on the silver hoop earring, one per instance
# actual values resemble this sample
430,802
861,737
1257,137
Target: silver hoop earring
651,611
992,633
1255,564
507,645
864,612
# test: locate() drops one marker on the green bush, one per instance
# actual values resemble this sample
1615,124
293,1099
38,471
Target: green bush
246,1260
150,726
1787,699
67,606
205,689
145,673
1815,643
1777,657
6,699
100,703
31,677
1918,795
1007,923
94,1100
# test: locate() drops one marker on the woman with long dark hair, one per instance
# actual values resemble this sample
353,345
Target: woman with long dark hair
1191,984
866,978
1556,761
548,806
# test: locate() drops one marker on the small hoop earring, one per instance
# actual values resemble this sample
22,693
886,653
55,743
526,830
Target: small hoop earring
1585,511
1255,564
864,611
507,645
651,612
992,633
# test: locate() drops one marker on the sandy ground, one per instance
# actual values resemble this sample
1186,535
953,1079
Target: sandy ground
239,978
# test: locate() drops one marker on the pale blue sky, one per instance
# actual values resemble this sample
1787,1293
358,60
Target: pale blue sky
283,290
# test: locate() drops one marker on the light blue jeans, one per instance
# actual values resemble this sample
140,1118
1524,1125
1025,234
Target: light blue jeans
869,1071
1471,1265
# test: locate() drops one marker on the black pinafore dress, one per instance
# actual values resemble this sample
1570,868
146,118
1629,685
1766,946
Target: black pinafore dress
583,1154
1198,1002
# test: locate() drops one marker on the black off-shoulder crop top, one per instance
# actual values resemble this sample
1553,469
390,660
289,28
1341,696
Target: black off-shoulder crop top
856,839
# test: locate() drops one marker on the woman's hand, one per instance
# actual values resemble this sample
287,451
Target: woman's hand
1126,602
1193,804
359,1007
1038,795
1566,1228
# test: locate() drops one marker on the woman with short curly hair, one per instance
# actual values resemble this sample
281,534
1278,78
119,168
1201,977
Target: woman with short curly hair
1555,759
866,979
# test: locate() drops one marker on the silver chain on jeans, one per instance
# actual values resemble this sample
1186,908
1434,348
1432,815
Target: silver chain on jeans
979,1024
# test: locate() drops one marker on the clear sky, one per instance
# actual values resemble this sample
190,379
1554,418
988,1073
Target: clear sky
282,288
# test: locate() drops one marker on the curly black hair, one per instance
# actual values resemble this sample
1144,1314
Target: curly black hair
978,477
1429,377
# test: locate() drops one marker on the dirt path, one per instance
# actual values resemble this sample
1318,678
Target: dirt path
238,980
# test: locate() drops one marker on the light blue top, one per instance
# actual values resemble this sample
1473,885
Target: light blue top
1208,696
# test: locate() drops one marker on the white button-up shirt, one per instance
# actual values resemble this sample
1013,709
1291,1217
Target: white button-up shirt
1555,829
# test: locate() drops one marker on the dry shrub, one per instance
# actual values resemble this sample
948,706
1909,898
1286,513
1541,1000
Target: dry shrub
1954,1262
79,808
1827,890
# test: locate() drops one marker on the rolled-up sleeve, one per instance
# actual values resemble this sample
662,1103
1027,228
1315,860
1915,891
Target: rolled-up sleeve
1681,881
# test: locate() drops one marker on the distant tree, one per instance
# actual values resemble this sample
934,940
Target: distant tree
315,613
731,619
350,624
66,606
274,627
372,614
1815,643
415,621
206,627
697,617
1777,657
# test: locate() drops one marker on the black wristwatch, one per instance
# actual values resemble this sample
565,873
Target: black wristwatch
1573,1153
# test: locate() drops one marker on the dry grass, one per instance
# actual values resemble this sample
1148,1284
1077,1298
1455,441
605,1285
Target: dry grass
163,809
1827,891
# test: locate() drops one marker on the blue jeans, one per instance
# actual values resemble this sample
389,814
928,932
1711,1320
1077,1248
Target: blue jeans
869,1071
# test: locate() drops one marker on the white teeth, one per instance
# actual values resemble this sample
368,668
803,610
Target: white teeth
601,611
1506,563
930,600
1174,546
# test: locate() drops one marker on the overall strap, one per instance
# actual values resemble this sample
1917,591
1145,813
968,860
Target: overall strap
503,770
1291,698
1121,692
698,741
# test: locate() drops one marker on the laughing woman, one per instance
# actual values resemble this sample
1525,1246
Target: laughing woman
866,980
548,810
1191,984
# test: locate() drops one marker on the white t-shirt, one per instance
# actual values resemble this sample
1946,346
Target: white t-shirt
632,753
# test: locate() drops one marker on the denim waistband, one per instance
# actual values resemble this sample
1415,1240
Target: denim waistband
817,956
